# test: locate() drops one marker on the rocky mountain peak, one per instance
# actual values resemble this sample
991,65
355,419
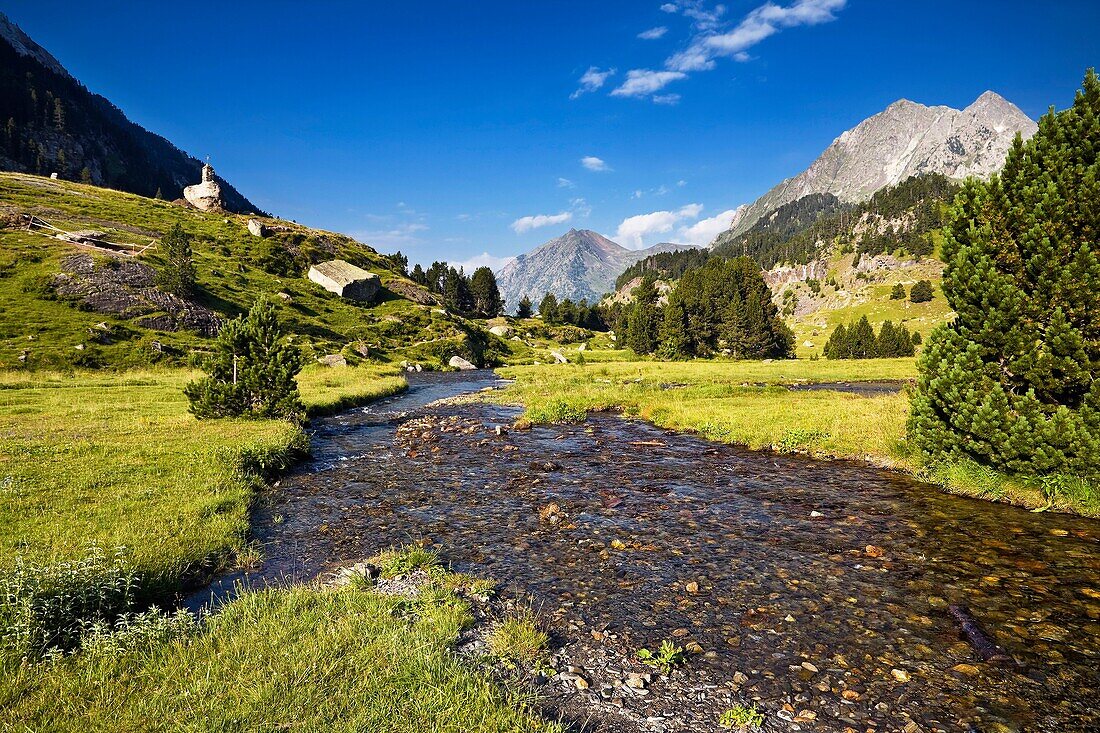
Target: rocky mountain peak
905,139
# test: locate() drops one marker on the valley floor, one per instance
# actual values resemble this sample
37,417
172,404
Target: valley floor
766,405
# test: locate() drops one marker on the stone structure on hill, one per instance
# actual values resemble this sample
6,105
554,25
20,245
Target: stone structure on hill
346,280
207,195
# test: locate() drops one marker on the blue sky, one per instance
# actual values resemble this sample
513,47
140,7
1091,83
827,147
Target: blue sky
452,129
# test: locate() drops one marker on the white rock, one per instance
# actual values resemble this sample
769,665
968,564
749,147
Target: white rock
205,196
457,362
257,228
501,331
559,357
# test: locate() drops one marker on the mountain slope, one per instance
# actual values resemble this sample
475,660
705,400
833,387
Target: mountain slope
64,305
580,264
50,123
904,140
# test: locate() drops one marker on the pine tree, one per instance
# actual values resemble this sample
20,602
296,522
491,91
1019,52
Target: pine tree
837,347
525,308
85,175
898,292
861,340
643,327
674,338
1012,382
921,292
485,293
418,275
177,275
252,372
548,308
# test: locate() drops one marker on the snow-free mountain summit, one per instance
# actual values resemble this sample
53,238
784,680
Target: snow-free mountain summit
906,139
580,264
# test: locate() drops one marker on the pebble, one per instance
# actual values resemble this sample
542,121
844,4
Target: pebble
900,675
809,667
968,670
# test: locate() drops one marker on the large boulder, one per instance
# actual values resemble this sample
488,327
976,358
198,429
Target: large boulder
346,280
257,228
501,331
205,196
457,362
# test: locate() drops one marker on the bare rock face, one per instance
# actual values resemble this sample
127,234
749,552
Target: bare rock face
205,196
904,140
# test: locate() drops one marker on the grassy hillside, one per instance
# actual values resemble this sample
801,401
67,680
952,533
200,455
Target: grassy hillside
234,268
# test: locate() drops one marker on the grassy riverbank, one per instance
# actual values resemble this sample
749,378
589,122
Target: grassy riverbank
348,659
117,460
745,403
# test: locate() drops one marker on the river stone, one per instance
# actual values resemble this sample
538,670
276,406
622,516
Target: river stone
457,362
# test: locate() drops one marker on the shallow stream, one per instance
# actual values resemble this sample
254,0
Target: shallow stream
816,589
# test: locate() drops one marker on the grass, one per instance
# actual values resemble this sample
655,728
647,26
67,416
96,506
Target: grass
745,403
116,460
517,638
297,659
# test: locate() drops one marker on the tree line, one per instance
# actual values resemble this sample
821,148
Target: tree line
474,296
723,306
858,340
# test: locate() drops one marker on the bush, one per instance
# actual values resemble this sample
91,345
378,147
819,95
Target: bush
898,292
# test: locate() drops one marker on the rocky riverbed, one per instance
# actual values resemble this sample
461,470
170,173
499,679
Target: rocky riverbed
816,591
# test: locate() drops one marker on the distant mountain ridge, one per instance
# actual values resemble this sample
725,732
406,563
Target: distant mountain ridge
580,264
51,123
904,140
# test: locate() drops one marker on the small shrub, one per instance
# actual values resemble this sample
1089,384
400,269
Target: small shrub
667,656
741,716
898,292
517,638
50,607
139,631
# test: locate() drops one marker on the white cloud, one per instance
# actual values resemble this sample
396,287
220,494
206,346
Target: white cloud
483,260
633,230
402,235
566,183
760,23
593,163
653,33
592,80
716,38
704,231
681,183
527,223
644,82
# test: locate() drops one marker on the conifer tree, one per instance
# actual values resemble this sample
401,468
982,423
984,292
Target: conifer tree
252,372
837,345
548,308
525,308
177,275
861,340
897,292
485,293
921,292
1012,382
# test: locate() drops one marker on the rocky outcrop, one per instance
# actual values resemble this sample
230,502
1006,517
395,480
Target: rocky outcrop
904,140
580,264
126,288
257,228
207,195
